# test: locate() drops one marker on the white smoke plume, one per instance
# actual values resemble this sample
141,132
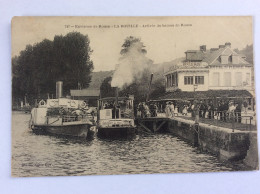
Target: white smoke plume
131,65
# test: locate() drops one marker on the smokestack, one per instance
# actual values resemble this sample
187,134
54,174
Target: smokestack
59,86
116,96
148,94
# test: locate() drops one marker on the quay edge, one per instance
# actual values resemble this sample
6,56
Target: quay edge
224,143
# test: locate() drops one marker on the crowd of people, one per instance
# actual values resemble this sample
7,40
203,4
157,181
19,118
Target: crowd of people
222,110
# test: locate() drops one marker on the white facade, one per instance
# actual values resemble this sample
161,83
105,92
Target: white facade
221,69
214,78
230,77
190,80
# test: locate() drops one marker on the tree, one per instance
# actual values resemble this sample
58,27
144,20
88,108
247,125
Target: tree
39,66
134,61
72,60
129,42
248,52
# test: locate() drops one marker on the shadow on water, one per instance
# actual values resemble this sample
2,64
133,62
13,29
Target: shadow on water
66,139
115,136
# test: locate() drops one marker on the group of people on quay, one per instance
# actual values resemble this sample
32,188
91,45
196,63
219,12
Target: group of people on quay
223,110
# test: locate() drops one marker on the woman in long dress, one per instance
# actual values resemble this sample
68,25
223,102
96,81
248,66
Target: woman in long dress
172,108
168,110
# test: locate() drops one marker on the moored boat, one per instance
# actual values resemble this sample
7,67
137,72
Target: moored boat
62,116
116,116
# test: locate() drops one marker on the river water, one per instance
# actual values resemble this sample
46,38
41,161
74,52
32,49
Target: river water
44,155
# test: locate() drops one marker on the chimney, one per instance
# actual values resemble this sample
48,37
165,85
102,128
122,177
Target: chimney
221,46
228,44
213,49
203,48
59,86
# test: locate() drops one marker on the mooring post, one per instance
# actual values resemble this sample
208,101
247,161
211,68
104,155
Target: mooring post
233,124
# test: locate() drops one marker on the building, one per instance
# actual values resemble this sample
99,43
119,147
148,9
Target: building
214,75
89,95
215,69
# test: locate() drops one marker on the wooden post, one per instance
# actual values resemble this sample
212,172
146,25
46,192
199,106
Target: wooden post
233,124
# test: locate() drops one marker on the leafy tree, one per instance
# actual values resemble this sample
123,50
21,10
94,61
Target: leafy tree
39,66
248,52
140,84
129,41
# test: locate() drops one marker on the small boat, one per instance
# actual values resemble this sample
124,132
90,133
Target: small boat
116,116
62,116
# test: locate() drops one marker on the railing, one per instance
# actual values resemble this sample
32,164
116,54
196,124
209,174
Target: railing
232,120
70,118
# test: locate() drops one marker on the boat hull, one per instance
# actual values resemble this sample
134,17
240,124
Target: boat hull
69,130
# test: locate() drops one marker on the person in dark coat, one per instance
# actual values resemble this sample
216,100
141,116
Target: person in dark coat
225,109
238,113
211,110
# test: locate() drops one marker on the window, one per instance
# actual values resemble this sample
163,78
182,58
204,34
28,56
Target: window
173,80
238,78
247,78
167,81
199,80
227,78
188,80
230,59
216,79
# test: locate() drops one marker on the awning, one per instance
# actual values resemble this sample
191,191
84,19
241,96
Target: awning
210,94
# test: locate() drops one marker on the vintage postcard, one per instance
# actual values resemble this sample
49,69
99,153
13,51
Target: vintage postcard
132,95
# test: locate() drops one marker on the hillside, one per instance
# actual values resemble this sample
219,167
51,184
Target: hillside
98,77
248,52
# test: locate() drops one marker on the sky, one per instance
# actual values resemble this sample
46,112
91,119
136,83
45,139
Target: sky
165,38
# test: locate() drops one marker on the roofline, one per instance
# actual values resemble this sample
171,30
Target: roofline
181,70
219,55
113,98
232,65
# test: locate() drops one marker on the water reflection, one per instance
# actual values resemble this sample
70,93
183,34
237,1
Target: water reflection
45,155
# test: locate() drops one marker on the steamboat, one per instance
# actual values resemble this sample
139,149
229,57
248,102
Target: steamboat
116,116
62,116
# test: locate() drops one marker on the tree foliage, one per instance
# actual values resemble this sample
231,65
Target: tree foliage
129,41
38,67
248,52
139,86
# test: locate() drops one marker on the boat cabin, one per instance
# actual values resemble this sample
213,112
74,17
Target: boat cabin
116,108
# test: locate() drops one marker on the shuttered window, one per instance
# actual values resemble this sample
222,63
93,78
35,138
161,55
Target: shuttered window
199,80
188,80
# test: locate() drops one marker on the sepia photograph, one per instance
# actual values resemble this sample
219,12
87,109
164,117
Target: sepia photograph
132,95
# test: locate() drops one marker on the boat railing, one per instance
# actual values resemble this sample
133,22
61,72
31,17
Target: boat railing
71,118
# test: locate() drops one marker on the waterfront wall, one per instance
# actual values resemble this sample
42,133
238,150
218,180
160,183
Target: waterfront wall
252,153
224,143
